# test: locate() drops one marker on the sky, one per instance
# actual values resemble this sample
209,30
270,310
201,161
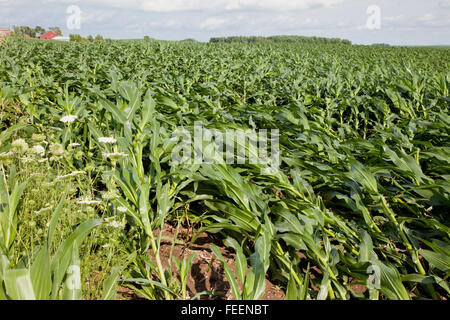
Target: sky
399,22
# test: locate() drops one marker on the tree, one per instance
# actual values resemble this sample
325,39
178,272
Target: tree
56,30
279,39
98,38
39,31
16,31
24,30
29,31
77,38
74,37
90,38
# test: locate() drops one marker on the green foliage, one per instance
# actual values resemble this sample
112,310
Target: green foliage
56,30
34,32
39,31
77,38
279,39
25,30
42,277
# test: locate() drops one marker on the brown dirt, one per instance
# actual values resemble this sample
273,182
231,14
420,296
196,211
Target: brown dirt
124,293
357,287
204,275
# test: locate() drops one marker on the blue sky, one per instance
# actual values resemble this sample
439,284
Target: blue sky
402,22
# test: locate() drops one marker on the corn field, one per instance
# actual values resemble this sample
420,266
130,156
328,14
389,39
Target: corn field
356,209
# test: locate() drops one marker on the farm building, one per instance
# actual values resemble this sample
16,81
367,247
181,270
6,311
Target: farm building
4,32
61,38
49,35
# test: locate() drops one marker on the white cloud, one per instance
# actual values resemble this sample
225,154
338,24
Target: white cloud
198,5
362,27
445,4
292,21
427,17
215,23
394,18
431,20
96,16
148,25
278,4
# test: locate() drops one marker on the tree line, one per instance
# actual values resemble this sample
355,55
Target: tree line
79,38
38,31
35,32
279,39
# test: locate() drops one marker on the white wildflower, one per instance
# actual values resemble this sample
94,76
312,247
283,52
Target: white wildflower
43,210
122,209
110,195
73,174
39,150
74,145
6,155
107,140
68,119
38,137
88,202
57,149
115,155
37,174
27,159
19,146
115,224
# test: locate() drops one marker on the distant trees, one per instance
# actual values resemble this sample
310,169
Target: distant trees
56,30
278,39
36,32
39,31
21,31
79,38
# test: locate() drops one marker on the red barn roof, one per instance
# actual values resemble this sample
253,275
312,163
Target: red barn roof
49,35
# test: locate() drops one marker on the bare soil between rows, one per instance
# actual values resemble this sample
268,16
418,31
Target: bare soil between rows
207,273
